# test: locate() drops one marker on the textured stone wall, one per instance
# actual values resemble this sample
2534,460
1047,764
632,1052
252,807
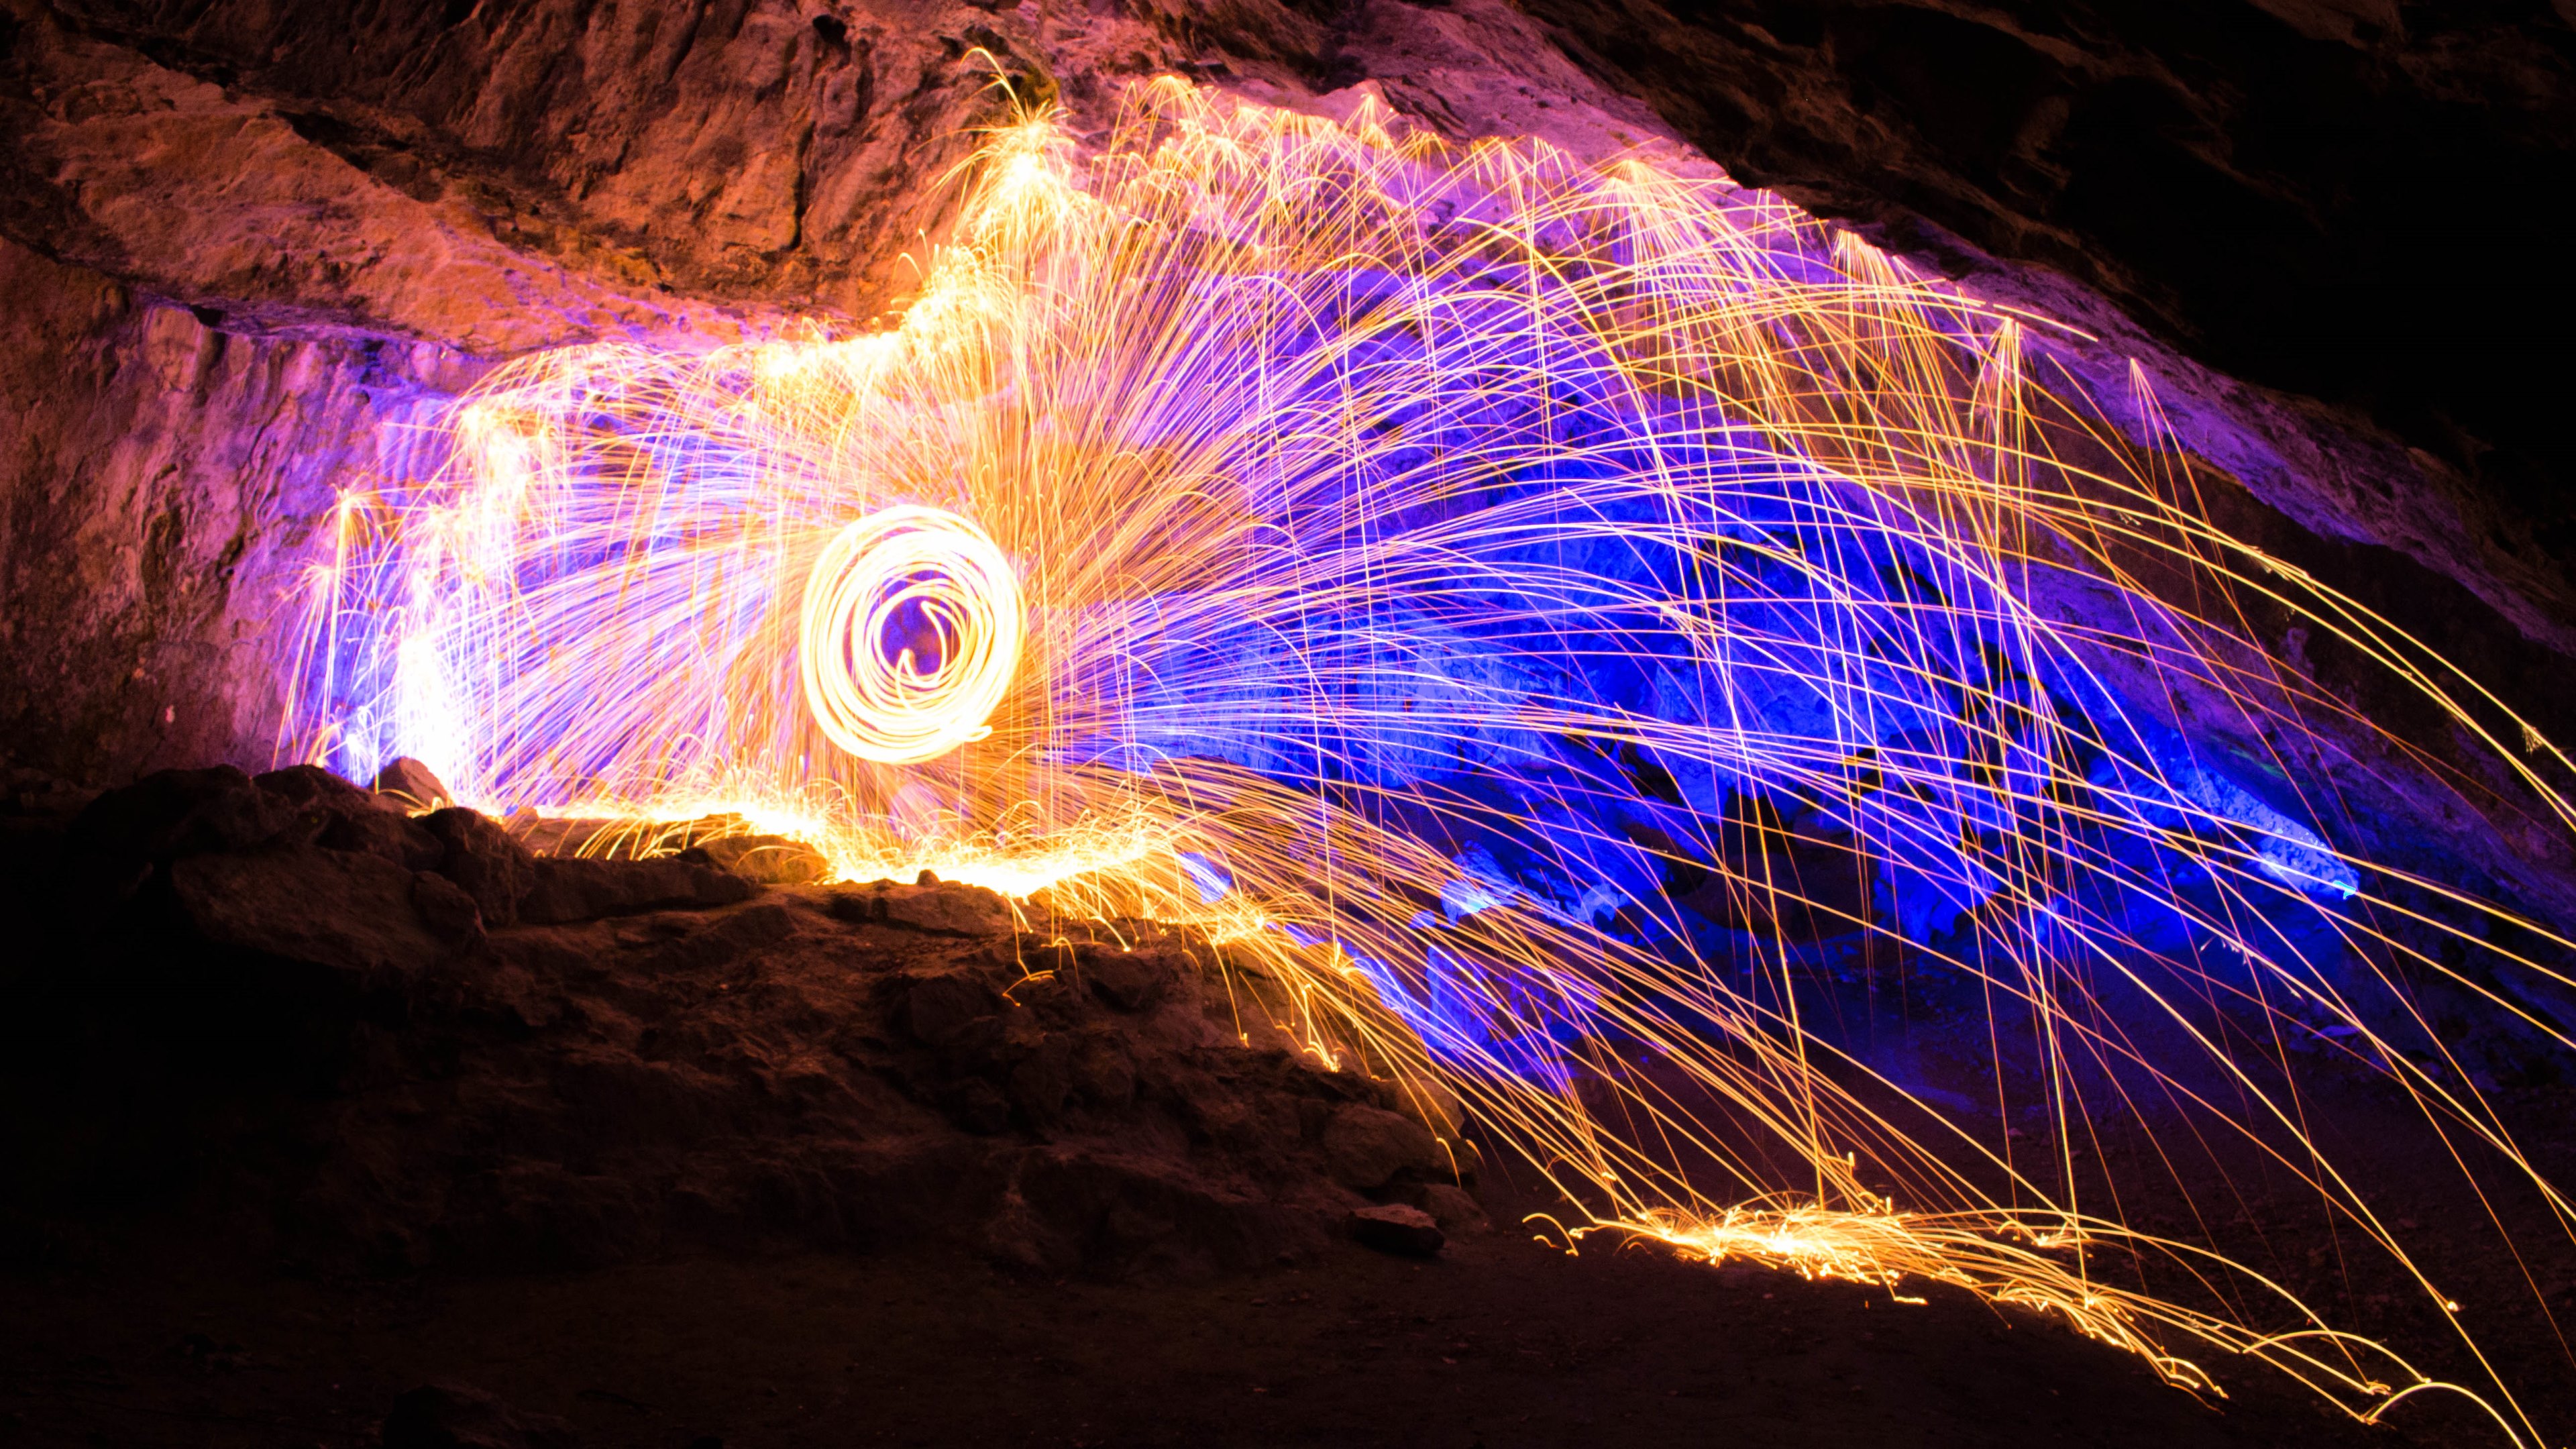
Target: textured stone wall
163,483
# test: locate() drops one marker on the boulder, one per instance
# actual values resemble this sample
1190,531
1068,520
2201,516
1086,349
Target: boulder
173,813
1453,1208
766,859
383,831
938,1009
938,907
314,785
1128,980
727,940
494,869
327,908
448,912
1365,1147
354,819
409,781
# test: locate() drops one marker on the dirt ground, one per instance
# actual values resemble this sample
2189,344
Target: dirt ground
1503,1341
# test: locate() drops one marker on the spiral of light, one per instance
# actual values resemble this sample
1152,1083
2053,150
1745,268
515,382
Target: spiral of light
880,590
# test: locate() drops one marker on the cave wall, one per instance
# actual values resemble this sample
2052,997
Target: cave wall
245,237
163,484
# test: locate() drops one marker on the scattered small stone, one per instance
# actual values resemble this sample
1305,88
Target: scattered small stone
1394,1228
459,1416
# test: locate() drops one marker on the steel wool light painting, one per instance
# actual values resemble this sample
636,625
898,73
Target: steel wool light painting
1539,610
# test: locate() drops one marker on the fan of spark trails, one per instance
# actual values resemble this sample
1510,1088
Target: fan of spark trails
1479,588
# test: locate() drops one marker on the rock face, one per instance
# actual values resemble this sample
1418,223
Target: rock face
330,908
505,1060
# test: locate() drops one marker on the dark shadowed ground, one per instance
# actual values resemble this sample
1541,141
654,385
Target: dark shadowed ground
1502,1342
307,1103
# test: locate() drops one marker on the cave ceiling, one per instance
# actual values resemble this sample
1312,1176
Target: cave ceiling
252,243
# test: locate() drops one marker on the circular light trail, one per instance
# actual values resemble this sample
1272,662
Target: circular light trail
912,627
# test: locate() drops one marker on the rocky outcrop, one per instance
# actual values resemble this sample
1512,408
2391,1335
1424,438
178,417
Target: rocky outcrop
492,1058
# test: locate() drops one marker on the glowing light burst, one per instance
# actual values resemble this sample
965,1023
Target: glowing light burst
1528,612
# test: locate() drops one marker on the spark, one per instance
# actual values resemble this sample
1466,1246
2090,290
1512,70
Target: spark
1518,609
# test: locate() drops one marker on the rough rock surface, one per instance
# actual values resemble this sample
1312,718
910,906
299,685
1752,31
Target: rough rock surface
565,889
334,909
508,1060
415,784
